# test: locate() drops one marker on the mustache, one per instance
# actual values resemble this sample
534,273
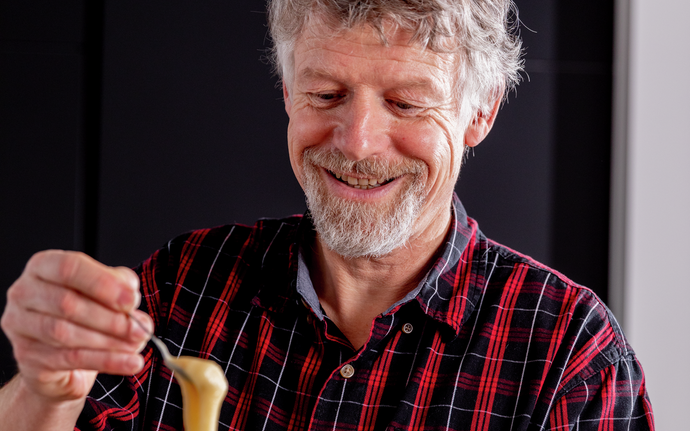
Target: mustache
334,160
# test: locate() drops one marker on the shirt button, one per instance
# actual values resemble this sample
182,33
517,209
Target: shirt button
347,371
309,320
407,328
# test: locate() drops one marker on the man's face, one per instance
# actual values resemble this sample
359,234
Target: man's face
383,118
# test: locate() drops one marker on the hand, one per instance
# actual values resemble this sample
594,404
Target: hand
66,318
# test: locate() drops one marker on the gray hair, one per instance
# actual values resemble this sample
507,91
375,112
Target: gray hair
483,32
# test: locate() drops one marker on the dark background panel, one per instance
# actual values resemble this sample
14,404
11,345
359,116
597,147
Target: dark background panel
506,183
123,124
39,154
539,27
193,128
40,90
582,169
42,21
583,142
38,160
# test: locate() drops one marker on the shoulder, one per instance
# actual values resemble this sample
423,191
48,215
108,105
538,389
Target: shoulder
575,331
213,262
590,371
203,247
234,238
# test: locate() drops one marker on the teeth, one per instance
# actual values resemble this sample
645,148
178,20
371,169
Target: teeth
361,183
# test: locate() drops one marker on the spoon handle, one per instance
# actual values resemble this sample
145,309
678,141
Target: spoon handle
168,359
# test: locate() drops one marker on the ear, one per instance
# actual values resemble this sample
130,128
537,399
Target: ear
482,124
286,99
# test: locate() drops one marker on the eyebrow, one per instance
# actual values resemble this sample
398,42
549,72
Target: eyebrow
310,72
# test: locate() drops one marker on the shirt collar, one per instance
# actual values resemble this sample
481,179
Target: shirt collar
450,290
448,293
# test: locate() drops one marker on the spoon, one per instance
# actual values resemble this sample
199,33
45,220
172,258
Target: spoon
168,359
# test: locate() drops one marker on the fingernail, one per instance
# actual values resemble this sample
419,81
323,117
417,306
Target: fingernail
130,277
135,363
149,325
138,332
126,299
143,327
137,299
133,279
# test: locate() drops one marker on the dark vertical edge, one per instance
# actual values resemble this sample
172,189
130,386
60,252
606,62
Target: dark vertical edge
619,161
88,196
580,236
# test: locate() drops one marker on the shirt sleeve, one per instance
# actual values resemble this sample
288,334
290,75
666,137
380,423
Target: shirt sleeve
615,398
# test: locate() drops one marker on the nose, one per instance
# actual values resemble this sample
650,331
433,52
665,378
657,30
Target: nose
363,128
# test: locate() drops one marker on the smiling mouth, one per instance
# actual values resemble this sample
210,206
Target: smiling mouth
361,183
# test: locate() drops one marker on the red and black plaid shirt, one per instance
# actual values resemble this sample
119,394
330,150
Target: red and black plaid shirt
490,340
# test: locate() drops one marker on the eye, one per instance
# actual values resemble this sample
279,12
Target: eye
326,96
404,108
325,100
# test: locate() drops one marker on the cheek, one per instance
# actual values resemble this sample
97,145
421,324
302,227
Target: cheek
304,131
308,127
295,149
432,145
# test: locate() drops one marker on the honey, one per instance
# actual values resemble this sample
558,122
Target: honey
204,388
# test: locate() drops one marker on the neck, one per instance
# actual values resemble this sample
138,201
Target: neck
353,291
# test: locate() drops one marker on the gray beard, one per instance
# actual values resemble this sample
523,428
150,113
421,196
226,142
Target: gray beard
358,229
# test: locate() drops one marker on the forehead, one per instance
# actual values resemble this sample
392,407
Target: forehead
360,53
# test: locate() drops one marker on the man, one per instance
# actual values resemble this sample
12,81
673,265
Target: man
384,308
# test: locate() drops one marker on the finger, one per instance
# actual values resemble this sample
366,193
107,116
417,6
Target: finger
39,359
115,288
61,333
59,302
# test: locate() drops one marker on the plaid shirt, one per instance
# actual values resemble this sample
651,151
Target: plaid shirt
490,340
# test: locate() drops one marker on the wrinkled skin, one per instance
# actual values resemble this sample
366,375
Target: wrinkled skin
371,101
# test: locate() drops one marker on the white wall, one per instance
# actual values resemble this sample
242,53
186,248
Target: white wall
657,266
